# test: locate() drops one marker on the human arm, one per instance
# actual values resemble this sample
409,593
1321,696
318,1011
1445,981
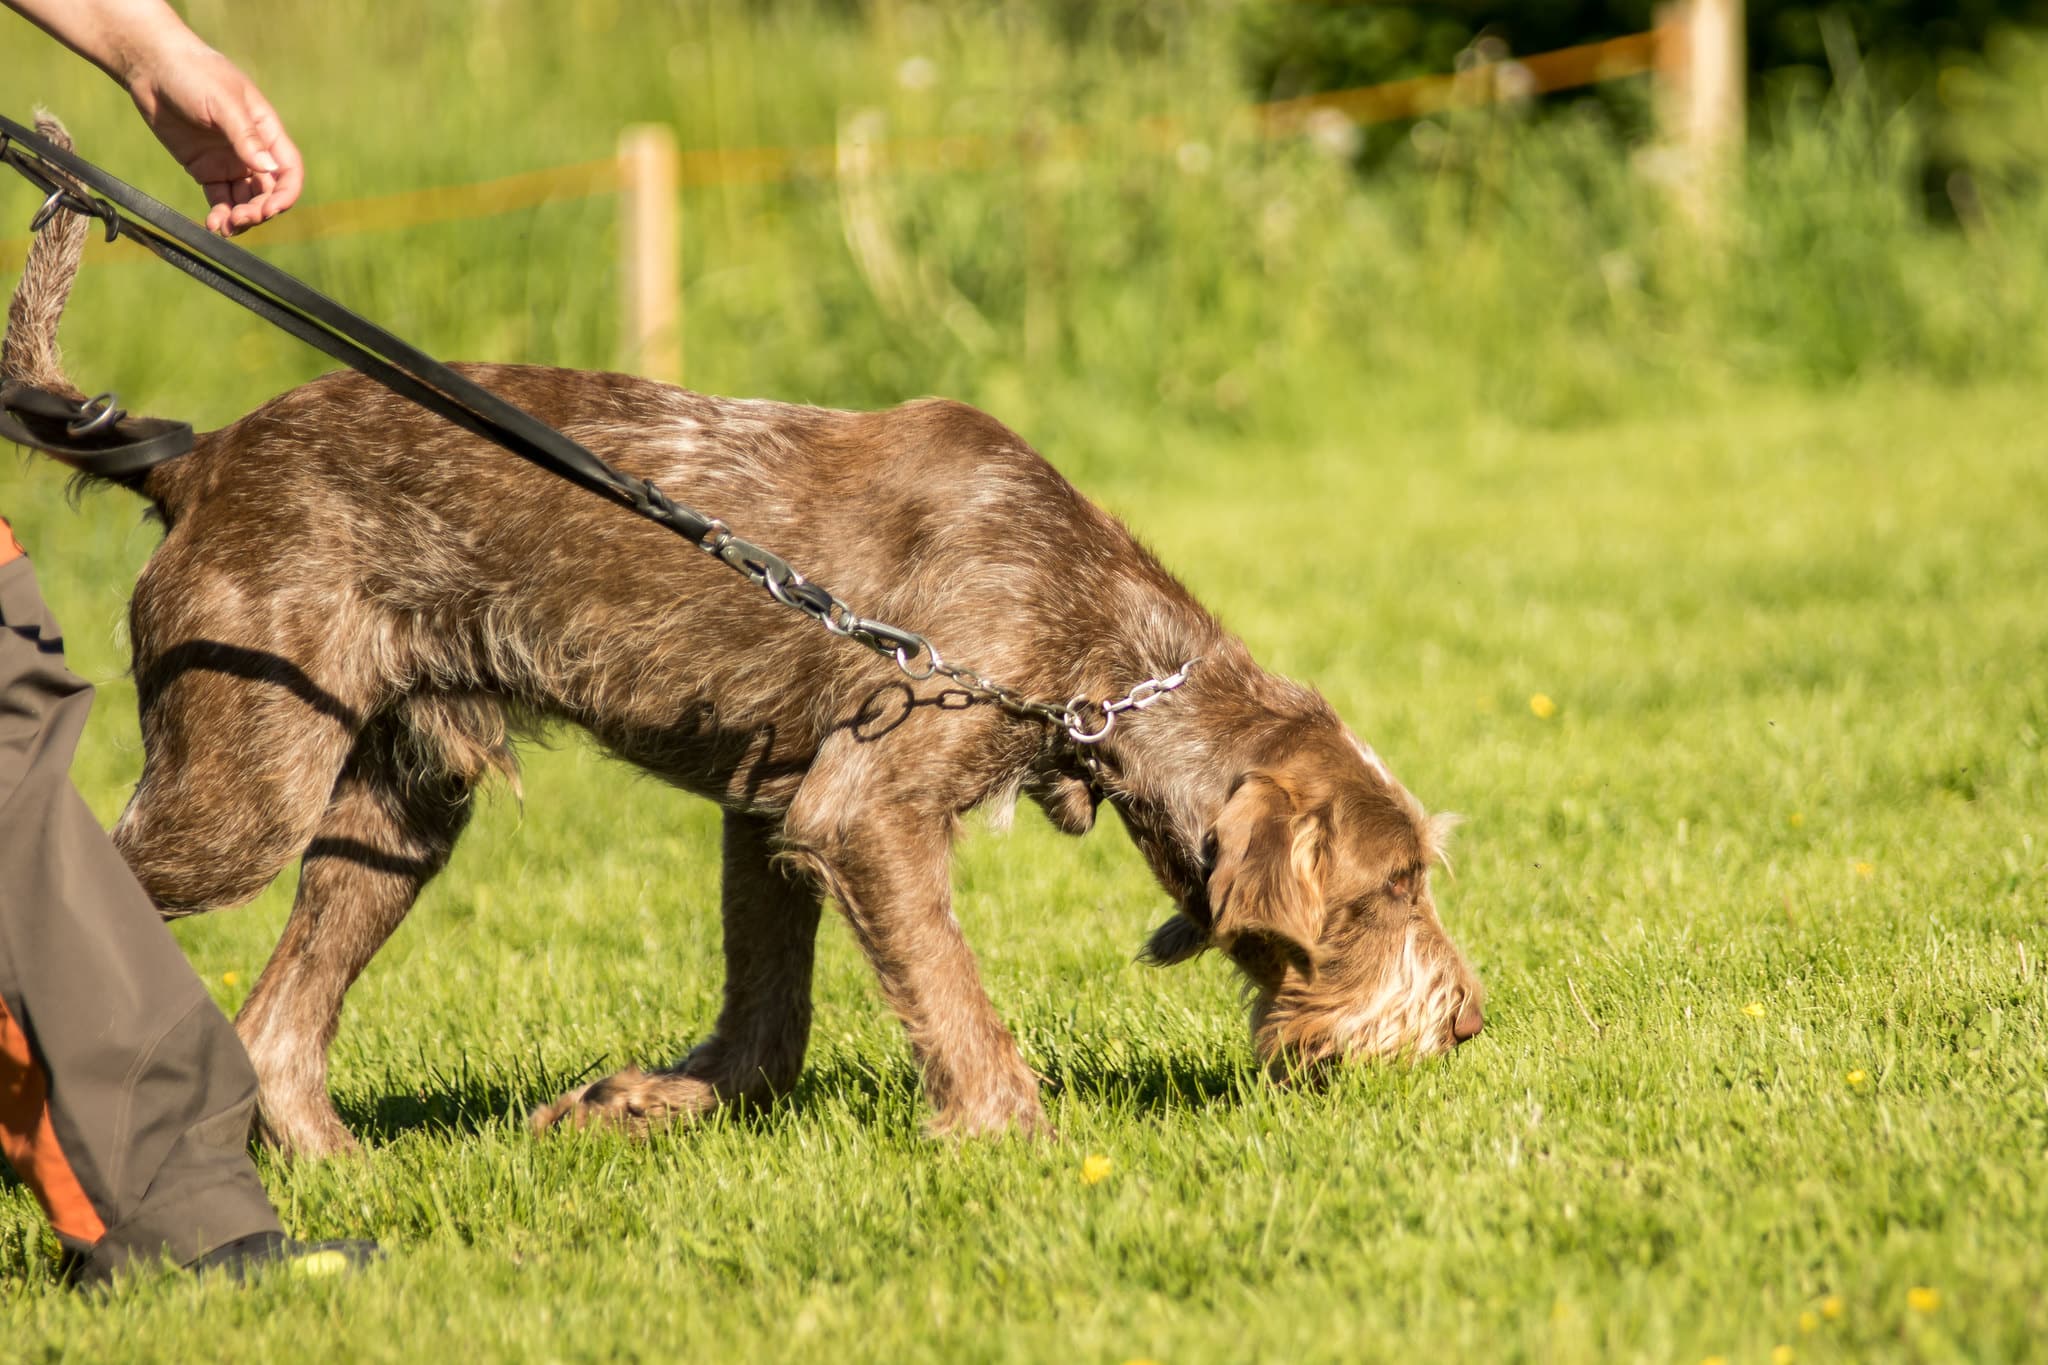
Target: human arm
205,111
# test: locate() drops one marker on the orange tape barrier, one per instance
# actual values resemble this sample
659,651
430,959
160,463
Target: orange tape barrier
408,208
1566,69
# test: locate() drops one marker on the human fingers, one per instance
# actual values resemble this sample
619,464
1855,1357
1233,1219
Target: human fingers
250,126
262,196
289,178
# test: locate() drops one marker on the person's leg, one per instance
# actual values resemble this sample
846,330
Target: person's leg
125,1098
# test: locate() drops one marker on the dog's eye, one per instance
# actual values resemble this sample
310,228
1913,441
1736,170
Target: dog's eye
1401,888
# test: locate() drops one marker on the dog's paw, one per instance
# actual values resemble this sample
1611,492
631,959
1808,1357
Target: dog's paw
306,1132
995,1120
632,1101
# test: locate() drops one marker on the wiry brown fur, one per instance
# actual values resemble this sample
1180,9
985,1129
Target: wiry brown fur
29,352
355,599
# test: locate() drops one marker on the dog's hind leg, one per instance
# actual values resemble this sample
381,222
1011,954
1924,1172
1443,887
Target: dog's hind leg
770,917
250,704
236,771
396,812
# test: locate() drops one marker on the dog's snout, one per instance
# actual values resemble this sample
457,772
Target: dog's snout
1470,1021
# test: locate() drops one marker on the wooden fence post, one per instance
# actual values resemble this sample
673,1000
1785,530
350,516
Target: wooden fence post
1702,88
651,239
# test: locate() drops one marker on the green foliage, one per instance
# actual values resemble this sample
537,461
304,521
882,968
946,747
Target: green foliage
1533,270
1295,46
1758,508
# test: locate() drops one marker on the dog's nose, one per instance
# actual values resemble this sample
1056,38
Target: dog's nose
1470,1021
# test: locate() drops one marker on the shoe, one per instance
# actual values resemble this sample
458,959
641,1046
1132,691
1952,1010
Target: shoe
263,1253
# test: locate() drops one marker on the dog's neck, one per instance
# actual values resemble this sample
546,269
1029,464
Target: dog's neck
1173,765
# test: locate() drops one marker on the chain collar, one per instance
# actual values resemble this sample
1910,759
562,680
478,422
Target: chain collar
1074,717
1083,719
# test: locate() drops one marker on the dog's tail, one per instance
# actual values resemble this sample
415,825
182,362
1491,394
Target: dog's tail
29,352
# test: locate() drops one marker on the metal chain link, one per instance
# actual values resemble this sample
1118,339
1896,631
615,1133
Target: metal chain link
915,656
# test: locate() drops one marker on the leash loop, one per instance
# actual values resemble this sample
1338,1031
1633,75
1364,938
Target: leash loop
47,211
64,192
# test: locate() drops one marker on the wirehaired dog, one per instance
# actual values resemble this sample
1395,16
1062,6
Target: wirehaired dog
356,605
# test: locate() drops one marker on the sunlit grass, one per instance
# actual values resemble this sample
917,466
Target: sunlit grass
1709,592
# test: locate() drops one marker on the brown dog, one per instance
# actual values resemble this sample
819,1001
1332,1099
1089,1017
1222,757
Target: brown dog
356,603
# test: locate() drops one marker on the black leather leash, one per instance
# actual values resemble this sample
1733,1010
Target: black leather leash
103,440
99,439
93,435
76,184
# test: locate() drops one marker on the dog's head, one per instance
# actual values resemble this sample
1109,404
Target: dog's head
1315,882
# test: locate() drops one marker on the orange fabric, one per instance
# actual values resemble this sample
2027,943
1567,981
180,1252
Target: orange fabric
29,1140
10,548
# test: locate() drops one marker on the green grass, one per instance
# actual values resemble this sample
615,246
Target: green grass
1784,584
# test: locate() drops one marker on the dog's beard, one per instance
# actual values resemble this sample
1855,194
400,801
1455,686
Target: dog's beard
1408,1012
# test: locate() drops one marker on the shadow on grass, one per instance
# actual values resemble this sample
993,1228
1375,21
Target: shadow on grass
881,1094
1151,1085
452,1112
1143,1085
459,1102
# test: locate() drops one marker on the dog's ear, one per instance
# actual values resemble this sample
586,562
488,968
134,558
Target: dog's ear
1177,940
1266,889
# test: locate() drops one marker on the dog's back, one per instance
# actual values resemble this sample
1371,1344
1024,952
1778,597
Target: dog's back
382,560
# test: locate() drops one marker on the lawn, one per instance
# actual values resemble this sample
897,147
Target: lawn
1760,907
1737,677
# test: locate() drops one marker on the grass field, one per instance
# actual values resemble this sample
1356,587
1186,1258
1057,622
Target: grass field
1759,889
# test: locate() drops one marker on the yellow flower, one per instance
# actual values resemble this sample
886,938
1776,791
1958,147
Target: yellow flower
230,978
1095,1169
1543,707
1921,1299
1755,1009
1809,1321
1865,870
1715,1360
1783,1355
1796,820
1831,1307
1857,1079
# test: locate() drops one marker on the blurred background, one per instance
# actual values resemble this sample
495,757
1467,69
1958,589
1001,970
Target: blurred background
1629,419
1120,237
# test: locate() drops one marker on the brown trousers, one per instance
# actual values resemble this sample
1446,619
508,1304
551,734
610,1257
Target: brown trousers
125,1098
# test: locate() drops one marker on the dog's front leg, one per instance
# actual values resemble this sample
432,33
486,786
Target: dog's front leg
889,874
770,915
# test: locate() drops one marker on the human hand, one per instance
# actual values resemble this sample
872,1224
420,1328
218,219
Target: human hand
221,130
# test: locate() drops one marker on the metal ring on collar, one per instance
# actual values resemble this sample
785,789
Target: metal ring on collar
903,656
106,414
